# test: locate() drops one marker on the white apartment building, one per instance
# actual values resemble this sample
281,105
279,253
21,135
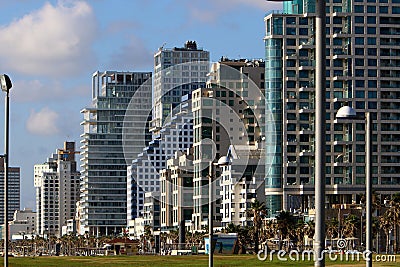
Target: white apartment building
177,72
177,190
230,111
23,224
242,182
57,190
151,211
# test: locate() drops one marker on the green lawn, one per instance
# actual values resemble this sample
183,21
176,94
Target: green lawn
153,261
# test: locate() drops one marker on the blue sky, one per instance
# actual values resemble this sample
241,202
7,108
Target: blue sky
51,48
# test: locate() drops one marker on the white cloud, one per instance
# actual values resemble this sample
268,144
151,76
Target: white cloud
43,122
54,40
30,91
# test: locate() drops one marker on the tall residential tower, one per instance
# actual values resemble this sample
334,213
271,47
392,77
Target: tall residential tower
114,129
363,70
57,190
14,176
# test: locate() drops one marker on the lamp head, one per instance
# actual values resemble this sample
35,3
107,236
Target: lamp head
346,112
5,83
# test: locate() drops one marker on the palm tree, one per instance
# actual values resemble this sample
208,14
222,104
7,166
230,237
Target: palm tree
386,225
351,223
286,223
332,228
309,229
376,201
392,214
257,211
299,231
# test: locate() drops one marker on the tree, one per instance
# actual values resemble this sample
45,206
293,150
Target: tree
332,228
350,224
376,201
286,224
392,215
386,225
309,229
257,211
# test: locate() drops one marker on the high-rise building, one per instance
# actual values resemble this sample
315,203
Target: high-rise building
177,72
242,182
13,191
362,69
115,130
57,190
228,111
144,172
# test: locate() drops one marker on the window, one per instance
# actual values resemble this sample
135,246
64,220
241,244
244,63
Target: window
337,20
373,84
359,19
371,30
372,105
359,51
358,9
303,31
371,73
360,159
360,94
359,62
359,30
359,40
371,40
371,9
359,72
360,105
384,9
360,83
290,20
303,53
291,31
395,10
371,20
291,42
303,21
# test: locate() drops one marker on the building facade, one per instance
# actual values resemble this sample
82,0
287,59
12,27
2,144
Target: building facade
362,67
230,110
14,176
151,211
242,182
144,172
23,223
176,182
57,190
177,72
114,129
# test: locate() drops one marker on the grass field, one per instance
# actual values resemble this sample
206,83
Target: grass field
153,261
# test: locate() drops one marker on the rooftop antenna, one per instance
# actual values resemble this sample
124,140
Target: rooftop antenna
162,46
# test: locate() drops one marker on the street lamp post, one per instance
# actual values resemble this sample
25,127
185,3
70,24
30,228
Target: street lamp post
6,86
223,161
349,113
